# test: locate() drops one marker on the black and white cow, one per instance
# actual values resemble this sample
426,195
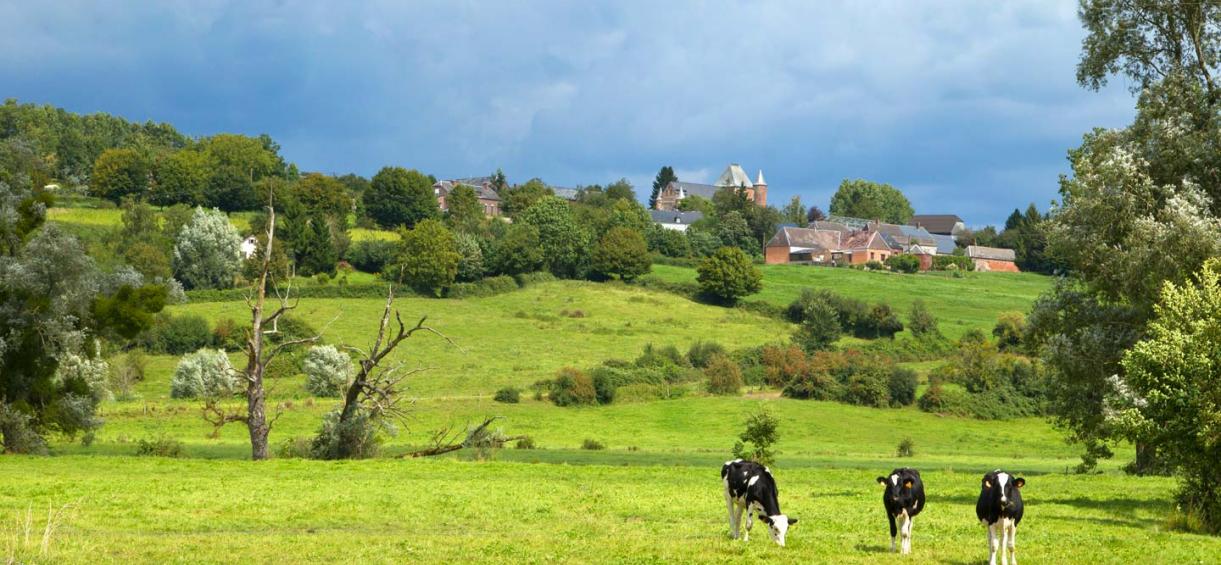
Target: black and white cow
750,487
904,499
1000,509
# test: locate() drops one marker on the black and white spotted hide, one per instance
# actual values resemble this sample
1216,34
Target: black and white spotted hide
903,496
1000,509
750,488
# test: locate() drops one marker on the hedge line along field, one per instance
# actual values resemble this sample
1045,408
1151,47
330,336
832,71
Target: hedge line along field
517,338
960,304
123,509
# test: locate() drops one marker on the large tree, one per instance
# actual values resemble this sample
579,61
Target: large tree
565,244
428,257
664,176
464,213
621,252
728,275
118,173
1149,40
400,197
872,201
795,212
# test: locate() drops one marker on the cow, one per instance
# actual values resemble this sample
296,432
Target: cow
1000,509
750,487
903,498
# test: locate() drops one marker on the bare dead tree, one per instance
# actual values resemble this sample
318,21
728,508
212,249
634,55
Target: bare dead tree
258,354
446,440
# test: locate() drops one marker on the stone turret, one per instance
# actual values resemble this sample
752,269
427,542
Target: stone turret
761,190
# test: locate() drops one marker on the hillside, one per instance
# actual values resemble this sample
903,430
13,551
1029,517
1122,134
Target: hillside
960,304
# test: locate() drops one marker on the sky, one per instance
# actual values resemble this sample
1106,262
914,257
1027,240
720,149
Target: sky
967,106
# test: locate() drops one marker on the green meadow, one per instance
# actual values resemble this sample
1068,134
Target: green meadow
653,495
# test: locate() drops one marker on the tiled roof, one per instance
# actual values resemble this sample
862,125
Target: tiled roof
945,244
936,223
481,185
686,189
675,216
805,237
990,253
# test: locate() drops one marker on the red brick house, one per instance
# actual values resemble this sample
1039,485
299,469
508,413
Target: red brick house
484,191
993,259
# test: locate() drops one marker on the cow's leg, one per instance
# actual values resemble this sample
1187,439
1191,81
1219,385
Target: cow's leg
907,534
893,530
993,544
1003,526
750,521
1013,543
733,514
902,519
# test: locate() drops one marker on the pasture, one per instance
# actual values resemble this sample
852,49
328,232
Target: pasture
960,304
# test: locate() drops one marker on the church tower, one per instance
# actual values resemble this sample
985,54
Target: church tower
761,190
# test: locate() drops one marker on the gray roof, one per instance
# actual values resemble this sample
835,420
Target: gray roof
694,188
736,177
675,216
945,244
481,185
990,253
807,238
936,223
564,192
823,225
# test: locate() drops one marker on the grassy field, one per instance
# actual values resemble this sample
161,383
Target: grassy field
958,303
523,336
98,220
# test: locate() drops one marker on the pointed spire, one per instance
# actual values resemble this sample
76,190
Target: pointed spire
760,182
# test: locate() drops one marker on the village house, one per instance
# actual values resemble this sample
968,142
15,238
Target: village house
484,191
939,224
734,176
993,259
674,219
827,244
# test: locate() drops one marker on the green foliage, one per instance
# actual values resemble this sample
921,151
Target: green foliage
1010,327
463,212
820,324
1170,392
728,275
21,212
903,263
400,197
724,376
470,265
703,244
323,195
669,243
794,212
428,258
953,263
621,252
1147,41
701,353
921,322
564,244
902,386
519,251
907,448
360,437
664,177
315,250
872,201
181,178
128,311
592,445
206,252
756,442
204,374
119,173
372,255
572,387
327,370
733,231
520,198
177,335
508,395
160,446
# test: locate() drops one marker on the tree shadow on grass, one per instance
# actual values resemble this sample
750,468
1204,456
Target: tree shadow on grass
872,548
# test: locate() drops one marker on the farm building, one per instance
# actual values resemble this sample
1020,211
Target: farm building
993,259
488,198
674,219
734,176
826,246
939,224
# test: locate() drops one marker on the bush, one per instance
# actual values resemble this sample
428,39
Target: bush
327,370
160,446
372,256
204,374
592,444
490,286
756,441
428,258
903,263
604,387
1009,329
358,438
783,364
571,387
921,321
125,371
621,252
20,435
227,335
660,357
508,395
868,387
907,448
178,335
470,265
952,263
206,251
647,393
945,399
291,328
528,279
903,383
884,322
820,325
294,448
729,275
525,443
873,265
724,376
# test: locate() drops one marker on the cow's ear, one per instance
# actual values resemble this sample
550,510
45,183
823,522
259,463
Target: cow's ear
765,518
792,521
907,484
881,480
987,483
1020,482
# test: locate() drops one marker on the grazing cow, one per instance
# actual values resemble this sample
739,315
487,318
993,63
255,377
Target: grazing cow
904,499
1000,509
750,487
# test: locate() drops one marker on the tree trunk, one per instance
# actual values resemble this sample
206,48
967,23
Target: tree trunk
256,407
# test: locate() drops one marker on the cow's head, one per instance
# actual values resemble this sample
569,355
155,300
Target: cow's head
898,487
1000,486
777,526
